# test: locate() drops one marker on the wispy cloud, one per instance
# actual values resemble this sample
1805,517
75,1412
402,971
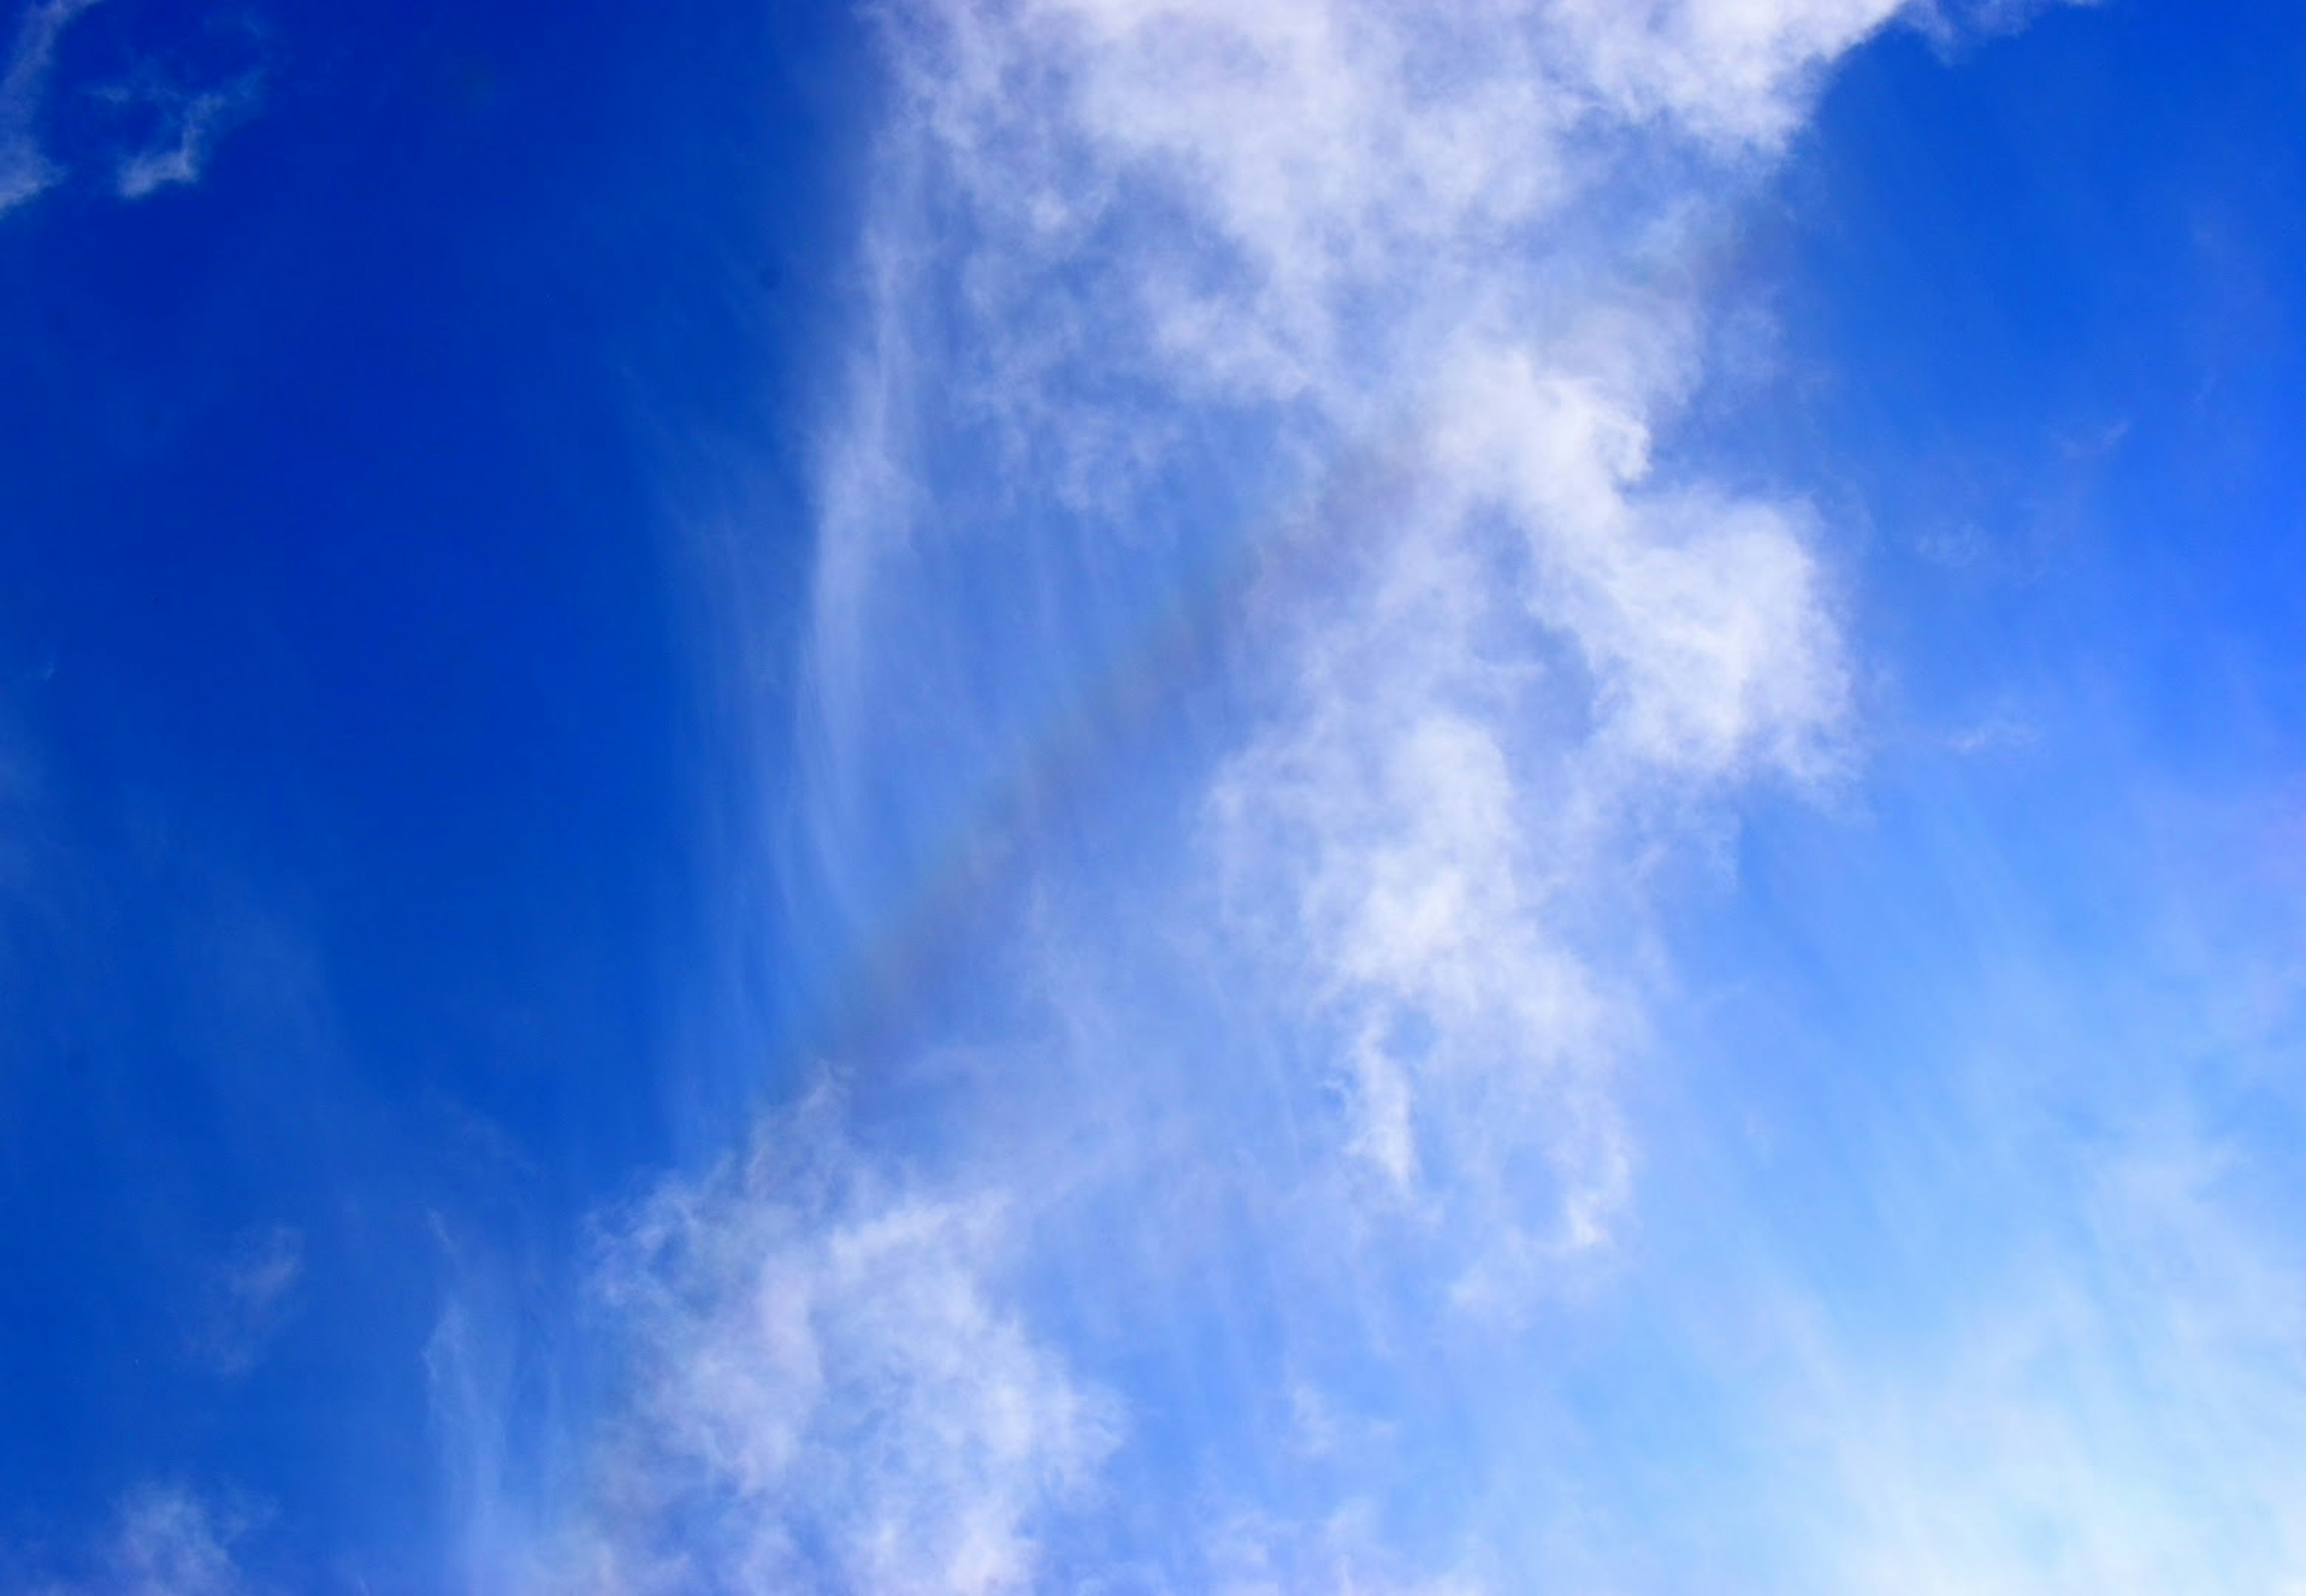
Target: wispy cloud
182,123
191,122
25,168
2105,1399
164,1540
171,1542
249,1295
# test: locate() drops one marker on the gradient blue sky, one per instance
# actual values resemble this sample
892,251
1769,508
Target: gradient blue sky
1332,797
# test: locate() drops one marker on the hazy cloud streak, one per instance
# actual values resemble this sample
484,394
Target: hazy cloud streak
25,168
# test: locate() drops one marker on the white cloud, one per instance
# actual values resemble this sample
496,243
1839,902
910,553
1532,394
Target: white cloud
187,122
828,1387
172,1543
162,1539
192,122
25,168
1729,69
167,1541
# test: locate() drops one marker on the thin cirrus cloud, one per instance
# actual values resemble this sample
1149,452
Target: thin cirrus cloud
25,168
171,1542
185,122
251,1295
190,124
164,1539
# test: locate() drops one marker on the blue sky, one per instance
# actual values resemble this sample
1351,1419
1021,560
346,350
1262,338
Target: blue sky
1154,797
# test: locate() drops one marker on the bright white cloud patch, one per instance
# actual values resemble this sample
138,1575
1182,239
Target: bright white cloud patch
828,1389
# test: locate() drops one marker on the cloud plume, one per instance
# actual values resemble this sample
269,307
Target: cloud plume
1317,363
1412,286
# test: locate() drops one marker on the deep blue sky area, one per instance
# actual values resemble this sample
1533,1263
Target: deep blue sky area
352,742
406,540
2068,259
